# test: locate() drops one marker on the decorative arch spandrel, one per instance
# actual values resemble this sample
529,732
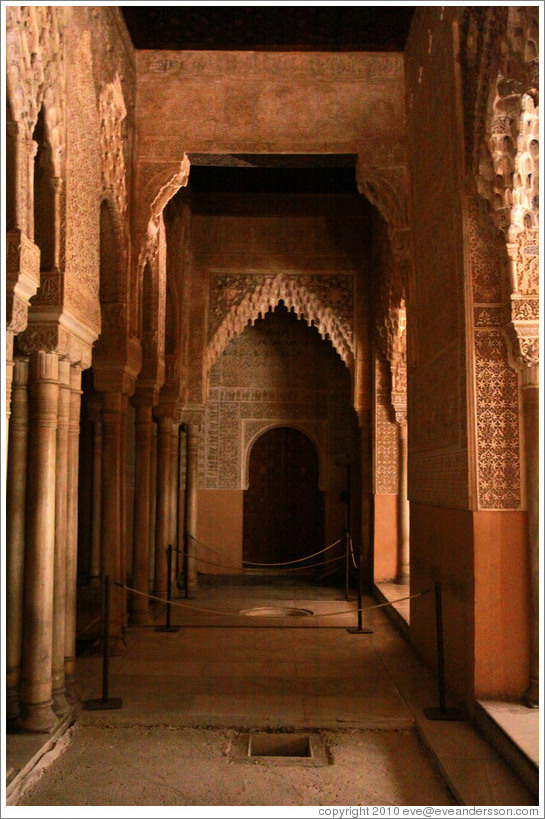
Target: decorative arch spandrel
297,294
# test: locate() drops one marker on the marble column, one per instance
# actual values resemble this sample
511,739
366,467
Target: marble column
192,450
15,533
94,563
9,379
36,684
60,703
123,510
174,469
530,406
162,527
140,562
31,151
111,509
72,534
403,557
153,507
181,498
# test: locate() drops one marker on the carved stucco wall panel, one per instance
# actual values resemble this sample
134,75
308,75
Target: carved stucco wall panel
386,447
496,383
83,190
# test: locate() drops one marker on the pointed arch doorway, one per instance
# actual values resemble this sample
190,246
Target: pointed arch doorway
283,507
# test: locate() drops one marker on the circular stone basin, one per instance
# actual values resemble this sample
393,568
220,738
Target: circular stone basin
276,611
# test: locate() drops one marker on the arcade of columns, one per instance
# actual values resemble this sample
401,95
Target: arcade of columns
87,285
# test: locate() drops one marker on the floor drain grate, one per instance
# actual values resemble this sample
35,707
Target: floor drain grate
276,611
280,745
280,748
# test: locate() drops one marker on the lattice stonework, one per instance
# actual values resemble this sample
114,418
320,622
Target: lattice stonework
386,467
496,382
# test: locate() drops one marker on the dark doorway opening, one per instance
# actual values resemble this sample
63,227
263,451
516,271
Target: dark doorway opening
283,506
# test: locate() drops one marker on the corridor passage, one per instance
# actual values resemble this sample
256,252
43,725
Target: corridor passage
190,698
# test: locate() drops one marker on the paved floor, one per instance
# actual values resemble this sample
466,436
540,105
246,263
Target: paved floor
220,677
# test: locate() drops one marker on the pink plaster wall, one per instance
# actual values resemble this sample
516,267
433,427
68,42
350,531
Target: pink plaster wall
442,549
385,542
219,527
480,558
501,604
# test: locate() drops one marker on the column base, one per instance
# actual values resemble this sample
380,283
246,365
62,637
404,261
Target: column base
70,692
37,719
61,705
140,617
403,580
531,698
12,705
117,646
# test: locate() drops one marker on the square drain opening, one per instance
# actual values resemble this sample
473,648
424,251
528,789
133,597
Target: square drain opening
280,745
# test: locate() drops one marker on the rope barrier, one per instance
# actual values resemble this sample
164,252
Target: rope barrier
237,568
284,563
237,614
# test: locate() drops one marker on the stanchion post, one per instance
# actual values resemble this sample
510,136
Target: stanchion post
106,703
359,628
441,713
168,626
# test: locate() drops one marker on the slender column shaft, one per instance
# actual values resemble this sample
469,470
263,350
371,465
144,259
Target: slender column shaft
192,445
123,509
36,686
72,534
94,568
15,534
174,465
530,399
31,151
60,703
162,529
111,508
57,183
181,497
153,506
9,377
403,571
140,562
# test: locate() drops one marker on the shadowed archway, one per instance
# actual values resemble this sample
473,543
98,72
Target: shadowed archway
283,506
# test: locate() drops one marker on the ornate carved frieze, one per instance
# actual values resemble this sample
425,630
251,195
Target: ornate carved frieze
217,64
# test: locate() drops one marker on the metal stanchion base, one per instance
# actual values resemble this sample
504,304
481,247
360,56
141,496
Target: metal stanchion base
111,704
447,714
356,630
167,628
